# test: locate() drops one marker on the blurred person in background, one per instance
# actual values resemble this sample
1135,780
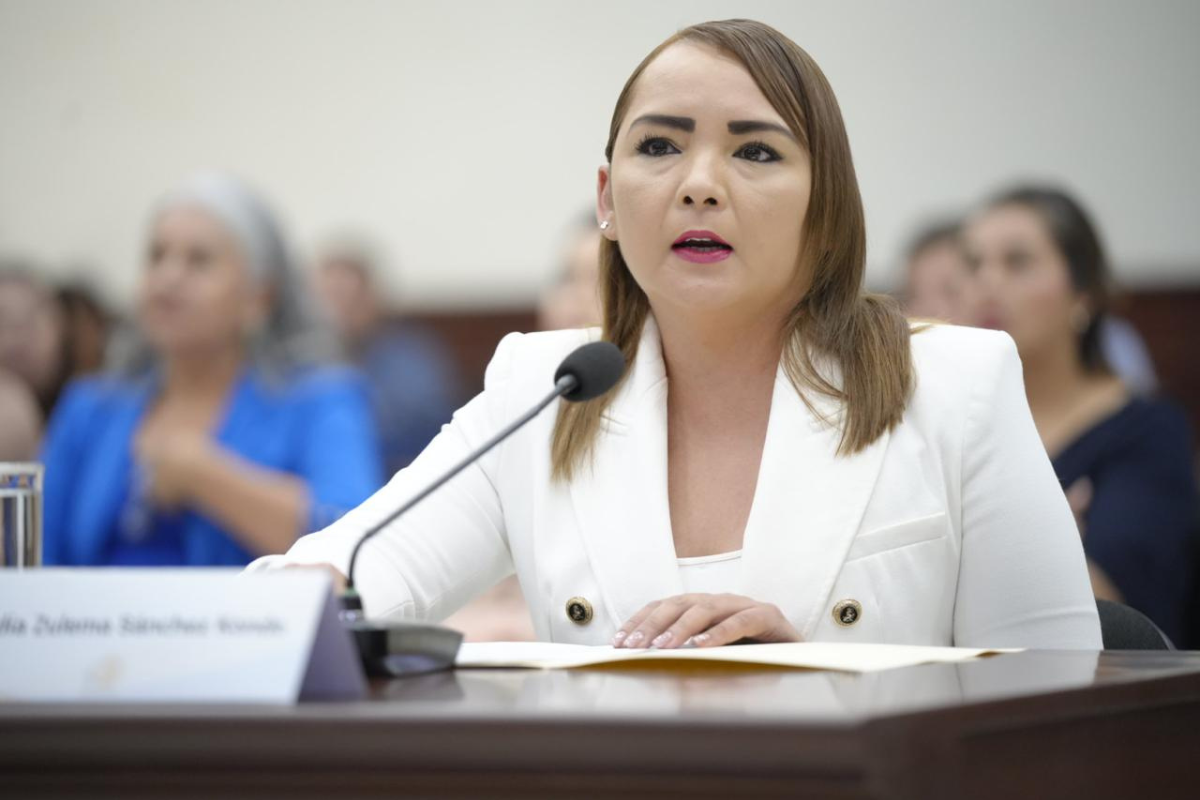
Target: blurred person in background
220,437
413,383
939,283
20,419
414,391
1123,460
48,335
86,326
32,336
573,301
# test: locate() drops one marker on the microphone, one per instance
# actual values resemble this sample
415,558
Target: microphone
409,648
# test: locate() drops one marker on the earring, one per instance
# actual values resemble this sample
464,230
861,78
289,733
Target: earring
605,225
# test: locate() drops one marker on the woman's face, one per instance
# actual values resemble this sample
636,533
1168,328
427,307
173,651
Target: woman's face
574,301
1024,282
31,333
196,295
941,285
707,189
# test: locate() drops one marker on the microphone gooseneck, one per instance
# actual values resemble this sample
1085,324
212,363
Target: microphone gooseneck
588,372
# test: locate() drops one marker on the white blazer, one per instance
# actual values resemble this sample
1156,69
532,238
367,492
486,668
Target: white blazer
951,529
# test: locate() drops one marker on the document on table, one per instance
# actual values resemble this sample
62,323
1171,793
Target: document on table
796,655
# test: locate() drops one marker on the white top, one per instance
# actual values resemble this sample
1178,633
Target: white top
950,529
715,574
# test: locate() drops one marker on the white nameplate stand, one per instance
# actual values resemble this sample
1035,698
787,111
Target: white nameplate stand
173,635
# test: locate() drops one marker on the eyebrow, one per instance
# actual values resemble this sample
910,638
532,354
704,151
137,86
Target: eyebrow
740,126
737,126
686,124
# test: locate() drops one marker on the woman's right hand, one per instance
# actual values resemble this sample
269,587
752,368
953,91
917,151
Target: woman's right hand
171,461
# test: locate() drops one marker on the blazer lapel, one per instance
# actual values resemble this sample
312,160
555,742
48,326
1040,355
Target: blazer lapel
807,508
621,498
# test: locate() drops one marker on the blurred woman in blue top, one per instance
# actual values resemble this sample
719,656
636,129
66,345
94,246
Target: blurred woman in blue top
219,437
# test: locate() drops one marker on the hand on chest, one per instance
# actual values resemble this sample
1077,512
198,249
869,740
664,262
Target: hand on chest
170,444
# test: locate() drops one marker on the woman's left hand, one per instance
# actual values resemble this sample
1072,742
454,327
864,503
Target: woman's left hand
705,620
1079,498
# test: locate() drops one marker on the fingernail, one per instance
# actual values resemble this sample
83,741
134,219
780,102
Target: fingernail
635,639
662,639
700,638
617,638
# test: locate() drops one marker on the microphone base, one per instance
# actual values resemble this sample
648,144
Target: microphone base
397,649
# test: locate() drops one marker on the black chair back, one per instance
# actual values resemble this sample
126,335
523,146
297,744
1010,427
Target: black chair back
1125,628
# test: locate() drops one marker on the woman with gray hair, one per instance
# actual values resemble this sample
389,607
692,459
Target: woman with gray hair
218,437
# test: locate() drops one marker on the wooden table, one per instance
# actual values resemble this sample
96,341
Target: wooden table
1029,725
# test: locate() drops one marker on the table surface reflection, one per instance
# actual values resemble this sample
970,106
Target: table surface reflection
694,693
985,727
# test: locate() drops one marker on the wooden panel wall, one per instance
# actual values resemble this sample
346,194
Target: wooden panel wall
1169,321
472,335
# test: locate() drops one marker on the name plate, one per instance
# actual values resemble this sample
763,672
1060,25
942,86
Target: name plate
173,635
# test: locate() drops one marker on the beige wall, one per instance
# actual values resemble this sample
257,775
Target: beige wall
465,134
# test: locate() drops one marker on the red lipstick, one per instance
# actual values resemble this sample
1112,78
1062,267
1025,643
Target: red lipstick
702,247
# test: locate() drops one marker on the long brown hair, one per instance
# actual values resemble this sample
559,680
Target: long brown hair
865,337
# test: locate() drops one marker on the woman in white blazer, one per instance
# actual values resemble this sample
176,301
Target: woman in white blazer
783,461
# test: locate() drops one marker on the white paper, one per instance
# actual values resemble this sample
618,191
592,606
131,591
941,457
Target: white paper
798,655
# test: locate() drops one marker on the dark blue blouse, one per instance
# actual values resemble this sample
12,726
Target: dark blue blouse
1139,525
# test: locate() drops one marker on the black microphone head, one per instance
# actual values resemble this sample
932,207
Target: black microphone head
596,367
